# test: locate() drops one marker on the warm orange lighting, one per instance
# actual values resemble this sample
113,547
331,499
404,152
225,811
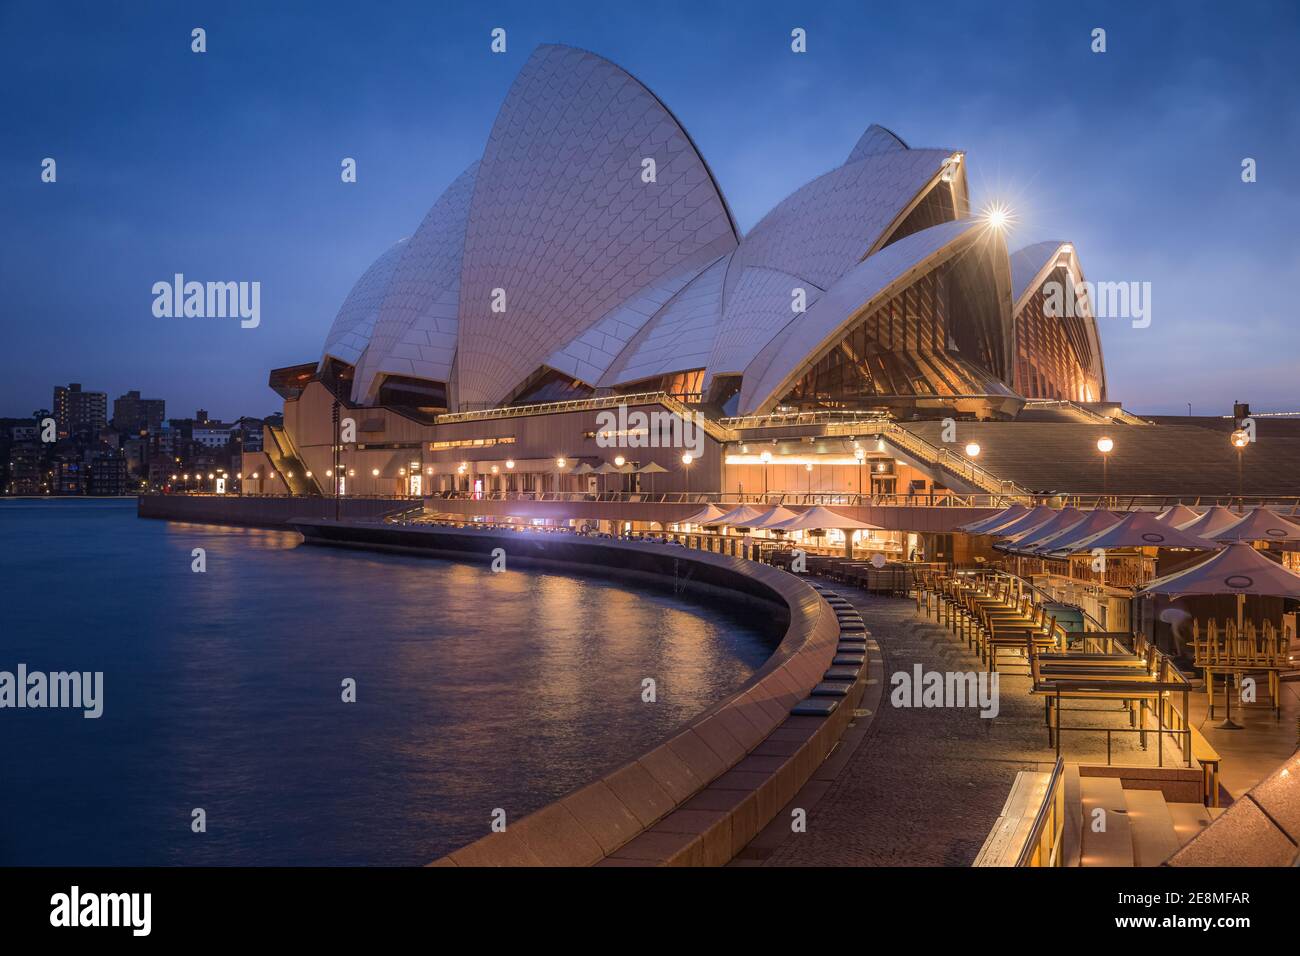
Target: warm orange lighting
1104,445
973,450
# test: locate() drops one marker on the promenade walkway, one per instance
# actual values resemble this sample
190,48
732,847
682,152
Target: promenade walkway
921,786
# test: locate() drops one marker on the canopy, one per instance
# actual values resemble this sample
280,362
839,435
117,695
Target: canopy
1140,529
1260,525
1065,518
1216,519
741,517
654,468
1002,517
772,516
819,517
1026,522
709,515
583,469
1060,544
1237,569
1178,515
608,468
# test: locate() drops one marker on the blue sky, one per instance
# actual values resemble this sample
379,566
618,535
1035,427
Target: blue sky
225,166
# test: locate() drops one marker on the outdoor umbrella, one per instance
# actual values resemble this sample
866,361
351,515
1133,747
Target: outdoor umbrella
1260,525
1004,516
583,469
653,468
1178,515
819,517
1216,519
1059,545
1140,529
1065,518
742,517
709,515
1026,522
1238,569
772,516
607,468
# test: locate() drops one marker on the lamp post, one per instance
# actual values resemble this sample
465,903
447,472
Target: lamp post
686,466
559,468
861,456
1240,439
766,459
335,452
808,469
1105,446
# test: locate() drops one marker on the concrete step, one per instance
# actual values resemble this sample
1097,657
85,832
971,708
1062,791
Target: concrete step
1189,819
1151,827
1112,846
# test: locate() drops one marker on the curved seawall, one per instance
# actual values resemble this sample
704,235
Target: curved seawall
701,795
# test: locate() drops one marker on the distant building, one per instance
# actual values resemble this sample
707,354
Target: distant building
134,414
212,434
77,411
26,471
106,475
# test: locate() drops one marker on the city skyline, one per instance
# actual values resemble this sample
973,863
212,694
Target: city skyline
135,202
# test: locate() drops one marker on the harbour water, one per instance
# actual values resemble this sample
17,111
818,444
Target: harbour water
222,691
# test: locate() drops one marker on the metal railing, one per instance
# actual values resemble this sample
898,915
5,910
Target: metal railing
1042,846
670,402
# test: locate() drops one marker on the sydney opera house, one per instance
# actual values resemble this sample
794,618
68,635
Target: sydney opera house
589,259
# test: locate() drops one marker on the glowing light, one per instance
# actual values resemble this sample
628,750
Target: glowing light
1240,438
687,459
560,463
973,450
510,463
619,461
765,457
1104,445
859,454
374,472
998,216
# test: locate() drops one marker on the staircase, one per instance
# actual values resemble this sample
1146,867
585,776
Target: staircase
287,462
1135,827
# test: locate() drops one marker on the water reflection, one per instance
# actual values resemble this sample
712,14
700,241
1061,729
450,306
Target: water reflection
222,690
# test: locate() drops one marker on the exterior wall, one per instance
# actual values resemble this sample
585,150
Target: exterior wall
392,442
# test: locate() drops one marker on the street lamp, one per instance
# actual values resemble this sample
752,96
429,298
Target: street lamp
861,456
686,466
766,459
808,469
1240,439
972,450
1104,445
560,464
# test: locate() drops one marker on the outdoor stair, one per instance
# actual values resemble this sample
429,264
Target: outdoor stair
1142,827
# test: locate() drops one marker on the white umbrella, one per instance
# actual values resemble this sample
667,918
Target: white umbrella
1002,517
1216,519
1026,522
819,517
742,517
1260,525
772,516
1237,569
653,468
1140,529
1178,515
1065,518
709,515
1060,544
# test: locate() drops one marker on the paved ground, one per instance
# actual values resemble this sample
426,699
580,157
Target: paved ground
922,787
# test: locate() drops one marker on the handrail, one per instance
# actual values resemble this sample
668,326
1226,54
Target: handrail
673,404
1033,852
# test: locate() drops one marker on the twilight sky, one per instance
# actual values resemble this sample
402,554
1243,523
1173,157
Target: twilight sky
225,165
